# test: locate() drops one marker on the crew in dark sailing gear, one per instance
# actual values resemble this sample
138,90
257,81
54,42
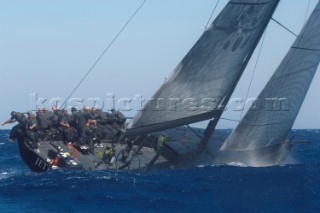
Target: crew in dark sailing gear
32,130
98,116
57,113
74,119
129,145
32,122
42,120
78,121
120,118
49,116
82,126
22,124
69,133
66,115
99,119
119,124
64,120
110,118
88,116
16,116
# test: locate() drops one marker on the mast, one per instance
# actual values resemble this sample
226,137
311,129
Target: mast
208,74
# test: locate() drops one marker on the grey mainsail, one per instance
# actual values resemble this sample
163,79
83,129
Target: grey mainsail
208,74
270,120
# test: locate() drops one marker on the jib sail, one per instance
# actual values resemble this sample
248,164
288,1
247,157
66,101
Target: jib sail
270,119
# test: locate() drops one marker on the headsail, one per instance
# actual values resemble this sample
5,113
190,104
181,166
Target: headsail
269,124
208,74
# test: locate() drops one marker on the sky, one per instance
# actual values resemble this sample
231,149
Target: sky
46,47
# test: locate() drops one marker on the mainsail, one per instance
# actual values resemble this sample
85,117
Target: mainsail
269,121
208,74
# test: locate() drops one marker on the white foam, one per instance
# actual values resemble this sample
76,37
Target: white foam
6,174
105,178
237,164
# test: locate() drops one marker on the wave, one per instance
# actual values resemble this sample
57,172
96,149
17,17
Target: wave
203,188
237,164
231,164
8,174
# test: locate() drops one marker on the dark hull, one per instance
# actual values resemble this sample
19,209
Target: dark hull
145,154
40,159
32,159
175,153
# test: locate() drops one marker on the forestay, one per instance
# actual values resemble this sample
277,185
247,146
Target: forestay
208,74
270,119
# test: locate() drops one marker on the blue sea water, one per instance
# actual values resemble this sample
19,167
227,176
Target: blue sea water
294,187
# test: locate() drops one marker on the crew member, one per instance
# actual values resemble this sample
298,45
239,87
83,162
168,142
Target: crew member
57,113
22,124
32,128
49,116
32,122
120,118
42,120
88,117
98,116
74,118
82,126
68,132
110,118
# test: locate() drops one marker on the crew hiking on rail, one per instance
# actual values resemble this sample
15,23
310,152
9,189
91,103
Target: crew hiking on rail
83,128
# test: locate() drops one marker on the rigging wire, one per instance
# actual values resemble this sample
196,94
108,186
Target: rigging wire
254,70
105,50
284,27
306,16
215,7
305,20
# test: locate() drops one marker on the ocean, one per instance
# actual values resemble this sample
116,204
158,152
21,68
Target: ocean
292,187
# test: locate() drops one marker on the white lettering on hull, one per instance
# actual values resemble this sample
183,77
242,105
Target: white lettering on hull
41,164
